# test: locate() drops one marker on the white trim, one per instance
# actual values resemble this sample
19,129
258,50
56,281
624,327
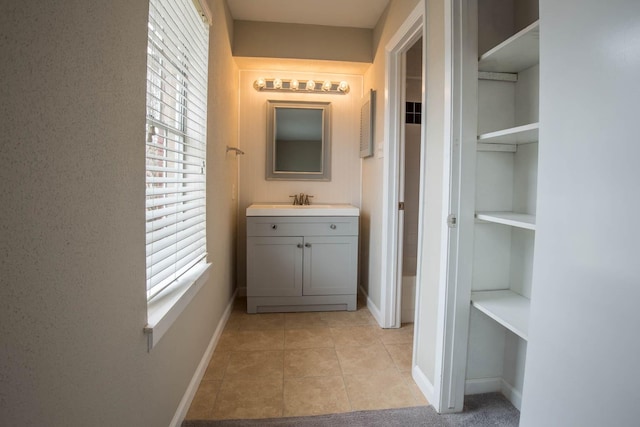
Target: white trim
373,309
424,384
511,393
410,31
483,385
166,307
190,392
455,282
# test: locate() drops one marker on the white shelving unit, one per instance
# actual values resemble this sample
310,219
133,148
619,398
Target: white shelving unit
505,198
517,53
506,307
513,219
524,134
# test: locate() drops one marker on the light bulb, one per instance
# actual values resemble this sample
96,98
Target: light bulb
311,85
259,84
277,84
294,84
343,87
326,86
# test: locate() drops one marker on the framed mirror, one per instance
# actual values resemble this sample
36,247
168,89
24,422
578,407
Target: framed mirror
298,140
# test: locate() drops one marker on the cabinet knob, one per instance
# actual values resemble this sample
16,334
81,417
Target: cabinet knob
299,245
307,245
333,226
274,227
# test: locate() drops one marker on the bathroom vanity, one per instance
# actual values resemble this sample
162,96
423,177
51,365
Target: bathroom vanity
302,258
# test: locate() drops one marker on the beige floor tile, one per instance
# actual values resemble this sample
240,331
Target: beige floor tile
348,318
355,336
249,398
307,338
402,335
402,355
251,340
217,366
415,390
304,321
364,360
261,321
255,364
383,390
202,405
315,396
312,362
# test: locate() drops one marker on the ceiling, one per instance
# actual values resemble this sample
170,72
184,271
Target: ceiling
337,13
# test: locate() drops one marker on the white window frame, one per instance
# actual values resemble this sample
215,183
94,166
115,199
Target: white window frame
177,74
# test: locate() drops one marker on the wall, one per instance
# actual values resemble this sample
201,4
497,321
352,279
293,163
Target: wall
372,167
344,186
298,41
584,317
72,288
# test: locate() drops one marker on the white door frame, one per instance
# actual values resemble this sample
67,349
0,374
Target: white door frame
455,290
408,33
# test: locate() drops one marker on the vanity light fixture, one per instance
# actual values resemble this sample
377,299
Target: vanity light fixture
292,85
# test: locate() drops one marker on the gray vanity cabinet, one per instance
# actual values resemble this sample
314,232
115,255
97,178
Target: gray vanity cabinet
301,263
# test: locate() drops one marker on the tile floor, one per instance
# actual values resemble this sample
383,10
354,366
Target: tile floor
297,364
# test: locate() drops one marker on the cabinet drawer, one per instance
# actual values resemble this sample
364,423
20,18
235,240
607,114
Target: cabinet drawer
307,226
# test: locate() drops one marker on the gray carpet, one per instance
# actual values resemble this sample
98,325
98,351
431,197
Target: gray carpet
491,409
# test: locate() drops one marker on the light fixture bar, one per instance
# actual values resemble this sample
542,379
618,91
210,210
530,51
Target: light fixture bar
304,86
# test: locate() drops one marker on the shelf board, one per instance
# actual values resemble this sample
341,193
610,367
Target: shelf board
508,308
513,219
517,53
524,134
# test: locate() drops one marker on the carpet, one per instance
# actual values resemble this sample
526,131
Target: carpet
491,409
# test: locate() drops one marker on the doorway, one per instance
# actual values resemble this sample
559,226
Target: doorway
409,185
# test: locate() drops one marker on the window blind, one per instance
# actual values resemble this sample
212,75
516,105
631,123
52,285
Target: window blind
177,59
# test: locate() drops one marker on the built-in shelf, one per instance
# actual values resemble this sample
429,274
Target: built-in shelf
508,308
513,219
515,54
524,134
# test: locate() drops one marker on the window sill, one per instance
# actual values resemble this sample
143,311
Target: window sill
166,307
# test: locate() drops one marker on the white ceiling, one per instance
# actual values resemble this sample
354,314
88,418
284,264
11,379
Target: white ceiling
338,13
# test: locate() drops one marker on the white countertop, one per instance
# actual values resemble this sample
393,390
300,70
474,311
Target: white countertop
283,209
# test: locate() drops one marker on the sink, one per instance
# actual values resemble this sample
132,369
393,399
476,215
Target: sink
283,209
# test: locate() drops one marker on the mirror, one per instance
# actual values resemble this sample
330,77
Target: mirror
298,140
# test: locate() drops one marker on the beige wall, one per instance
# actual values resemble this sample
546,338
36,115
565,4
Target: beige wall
372,167
72,287
278,40
344,186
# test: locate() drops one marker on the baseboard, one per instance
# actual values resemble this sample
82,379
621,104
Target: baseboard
373,309
424,385
191,390
511,393
491,385
483,385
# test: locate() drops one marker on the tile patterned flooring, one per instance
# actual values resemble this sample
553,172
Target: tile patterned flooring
297,364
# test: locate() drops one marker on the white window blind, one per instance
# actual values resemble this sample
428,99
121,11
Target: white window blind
177,58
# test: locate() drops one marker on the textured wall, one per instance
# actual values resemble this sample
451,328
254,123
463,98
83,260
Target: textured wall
72,253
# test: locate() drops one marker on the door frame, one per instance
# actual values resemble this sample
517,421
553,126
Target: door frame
406,36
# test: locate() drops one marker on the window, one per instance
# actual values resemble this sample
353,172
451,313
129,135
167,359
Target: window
177,57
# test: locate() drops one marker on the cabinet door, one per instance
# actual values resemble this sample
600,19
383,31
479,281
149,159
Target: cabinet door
330,265
274,266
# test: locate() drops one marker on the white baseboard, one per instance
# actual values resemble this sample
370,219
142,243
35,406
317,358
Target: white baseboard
424,385
191,390
375,312
483,385
511,393
491,385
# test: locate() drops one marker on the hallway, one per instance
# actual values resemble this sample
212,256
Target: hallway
298,364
